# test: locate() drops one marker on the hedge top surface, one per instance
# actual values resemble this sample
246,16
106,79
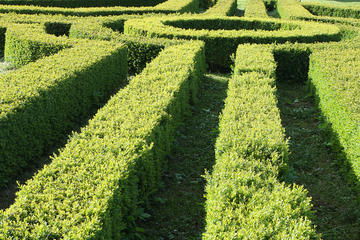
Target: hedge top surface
197,27
170,6
331,5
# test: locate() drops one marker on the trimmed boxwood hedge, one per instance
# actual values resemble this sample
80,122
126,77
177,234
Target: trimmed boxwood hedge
92,189
292,9
332,10
27,43
222,8
255,8
82,3
334,77
141,50
244,198
43,101
170,6
220,44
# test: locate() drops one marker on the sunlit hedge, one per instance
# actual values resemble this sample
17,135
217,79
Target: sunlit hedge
42,101
92,189
244,198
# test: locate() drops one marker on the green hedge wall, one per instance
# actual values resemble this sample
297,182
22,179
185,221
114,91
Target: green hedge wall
220,44
44,100
92,189
27,43
292,62
334,75
2,40
222,8
255,8
332,11
292,9
141,50
170,6
244,198
82,3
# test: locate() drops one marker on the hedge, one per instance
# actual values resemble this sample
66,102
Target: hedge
92,188
244,198
252,62
27,43
334,75
292,9
141,50
2,40
35,99
223,34
255,8
82,3
170,6
222,8
332,11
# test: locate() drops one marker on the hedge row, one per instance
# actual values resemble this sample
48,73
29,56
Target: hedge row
244,198
334,75
35,99
292,9
27,43
255,8
222,8
223,34
92,189
82,3
251,62
332,10
170,6
141,50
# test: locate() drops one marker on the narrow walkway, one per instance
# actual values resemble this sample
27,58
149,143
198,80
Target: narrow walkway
177,210
314,165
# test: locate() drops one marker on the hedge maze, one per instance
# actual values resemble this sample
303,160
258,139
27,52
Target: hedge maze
102,90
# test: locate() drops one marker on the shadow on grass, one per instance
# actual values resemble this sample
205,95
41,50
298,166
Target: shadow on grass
314,164
177,210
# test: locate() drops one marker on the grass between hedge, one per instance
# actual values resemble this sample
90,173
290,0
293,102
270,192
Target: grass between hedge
317,167
177,210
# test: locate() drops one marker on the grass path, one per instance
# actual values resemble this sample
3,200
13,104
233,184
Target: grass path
314,165
177,210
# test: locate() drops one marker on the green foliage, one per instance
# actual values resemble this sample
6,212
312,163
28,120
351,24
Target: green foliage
44,100
292,62
82,3
27,43
220,44
270,4
57,28
334,75
256,8
245,199
259,58
92,189
222,8
292,9
332,10
2,40
141,50
170,6
205,4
